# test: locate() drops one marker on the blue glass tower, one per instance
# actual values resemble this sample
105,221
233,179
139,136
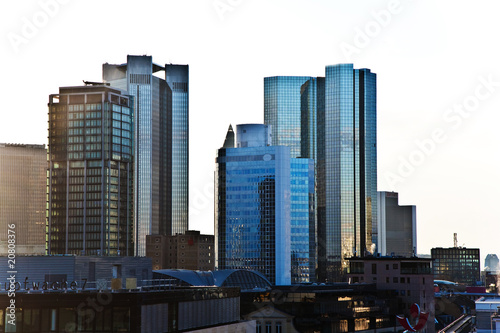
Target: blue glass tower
337,129
161,136
283,110
350,166
263,204
303,224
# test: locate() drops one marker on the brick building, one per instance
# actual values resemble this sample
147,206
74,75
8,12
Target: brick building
190,250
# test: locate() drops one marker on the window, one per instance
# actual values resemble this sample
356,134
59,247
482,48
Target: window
117,271
394,266
374,268
269,327
279,328
258,328
402,280
395,280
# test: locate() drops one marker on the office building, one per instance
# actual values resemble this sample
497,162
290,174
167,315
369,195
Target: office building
491,263
283,113
90,179
397,227
23,183
456,264
337,129
161,143
190,250
410,278
264,203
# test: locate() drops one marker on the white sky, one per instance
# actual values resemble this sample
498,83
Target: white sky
428,56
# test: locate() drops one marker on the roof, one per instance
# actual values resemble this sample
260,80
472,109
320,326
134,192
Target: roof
245,279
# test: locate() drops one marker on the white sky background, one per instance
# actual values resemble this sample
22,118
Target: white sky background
429,56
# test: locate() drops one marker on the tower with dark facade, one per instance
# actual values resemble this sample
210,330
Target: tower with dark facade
90,174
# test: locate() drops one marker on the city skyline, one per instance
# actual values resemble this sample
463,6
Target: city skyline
438,83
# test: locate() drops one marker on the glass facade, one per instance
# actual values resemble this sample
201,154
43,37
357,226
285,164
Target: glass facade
177,77
456,264
303,226
253,211
350,166
162,145
336,125
90,176
282,110
265,209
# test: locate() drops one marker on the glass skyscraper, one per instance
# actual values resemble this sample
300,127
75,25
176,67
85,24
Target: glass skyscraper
90,175
350,165
263,204
282,103
303,223
338,129
162,144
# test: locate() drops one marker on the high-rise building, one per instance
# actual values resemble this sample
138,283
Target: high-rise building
456,264
397,226
337,127
90,177
491,263
23,183
350,166
264,203
283,113
161,143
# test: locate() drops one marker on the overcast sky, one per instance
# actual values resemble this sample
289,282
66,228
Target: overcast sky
437,65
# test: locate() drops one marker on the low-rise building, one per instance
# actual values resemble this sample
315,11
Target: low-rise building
410,278
88,270
456,264
144,311
487,309
190,250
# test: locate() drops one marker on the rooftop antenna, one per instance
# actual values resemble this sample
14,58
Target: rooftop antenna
455,241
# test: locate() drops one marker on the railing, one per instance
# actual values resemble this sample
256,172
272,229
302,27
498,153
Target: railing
462,324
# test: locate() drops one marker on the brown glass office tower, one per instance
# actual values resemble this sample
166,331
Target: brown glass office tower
90,176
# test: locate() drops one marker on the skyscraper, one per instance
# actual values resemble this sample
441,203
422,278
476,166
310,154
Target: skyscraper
350,166
282,103
336,127
90,178
23,184
263,207
161,143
